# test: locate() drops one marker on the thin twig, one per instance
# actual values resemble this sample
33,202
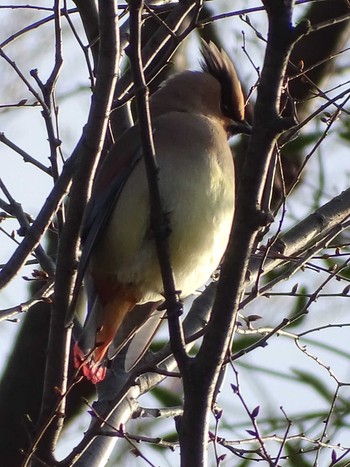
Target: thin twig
24,154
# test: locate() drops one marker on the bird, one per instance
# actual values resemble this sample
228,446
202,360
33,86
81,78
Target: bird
193,114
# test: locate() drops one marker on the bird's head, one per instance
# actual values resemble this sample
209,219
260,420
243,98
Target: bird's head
215,92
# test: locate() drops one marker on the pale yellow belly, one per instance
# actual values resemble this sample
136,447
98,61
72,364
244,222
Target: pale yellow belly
199,206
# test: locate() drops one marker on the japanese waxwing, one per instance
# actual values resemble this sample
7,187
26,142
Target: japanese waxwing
193,114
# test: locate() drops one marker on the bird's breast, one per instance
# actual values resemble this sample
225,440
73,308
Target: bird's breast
196,180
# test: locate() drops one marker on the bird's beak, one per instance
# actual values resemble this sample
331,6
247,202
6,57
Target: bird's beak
241,127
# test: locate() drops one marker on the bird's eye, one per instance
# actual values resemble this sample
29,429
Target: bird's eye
225,109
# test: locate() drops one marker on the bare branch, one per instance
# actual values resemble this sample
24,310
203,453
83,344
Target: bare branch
87,158
159,221
24,154
39,226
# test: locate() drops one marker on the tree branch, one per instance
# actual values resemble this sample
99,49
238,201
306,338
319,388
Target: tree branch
53,406
159,222
200,385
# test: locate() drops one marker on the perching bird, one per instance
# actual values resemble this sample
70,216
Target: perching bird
193,114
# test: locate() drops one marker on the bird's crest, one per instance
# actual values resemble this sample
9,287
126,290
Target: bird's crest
218,64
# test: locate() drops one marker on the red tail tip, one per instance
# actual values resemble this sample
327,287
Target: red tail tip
93,371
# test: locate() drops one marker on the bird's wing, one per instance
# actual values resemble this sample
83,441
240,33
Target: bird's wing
141,323
114,172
